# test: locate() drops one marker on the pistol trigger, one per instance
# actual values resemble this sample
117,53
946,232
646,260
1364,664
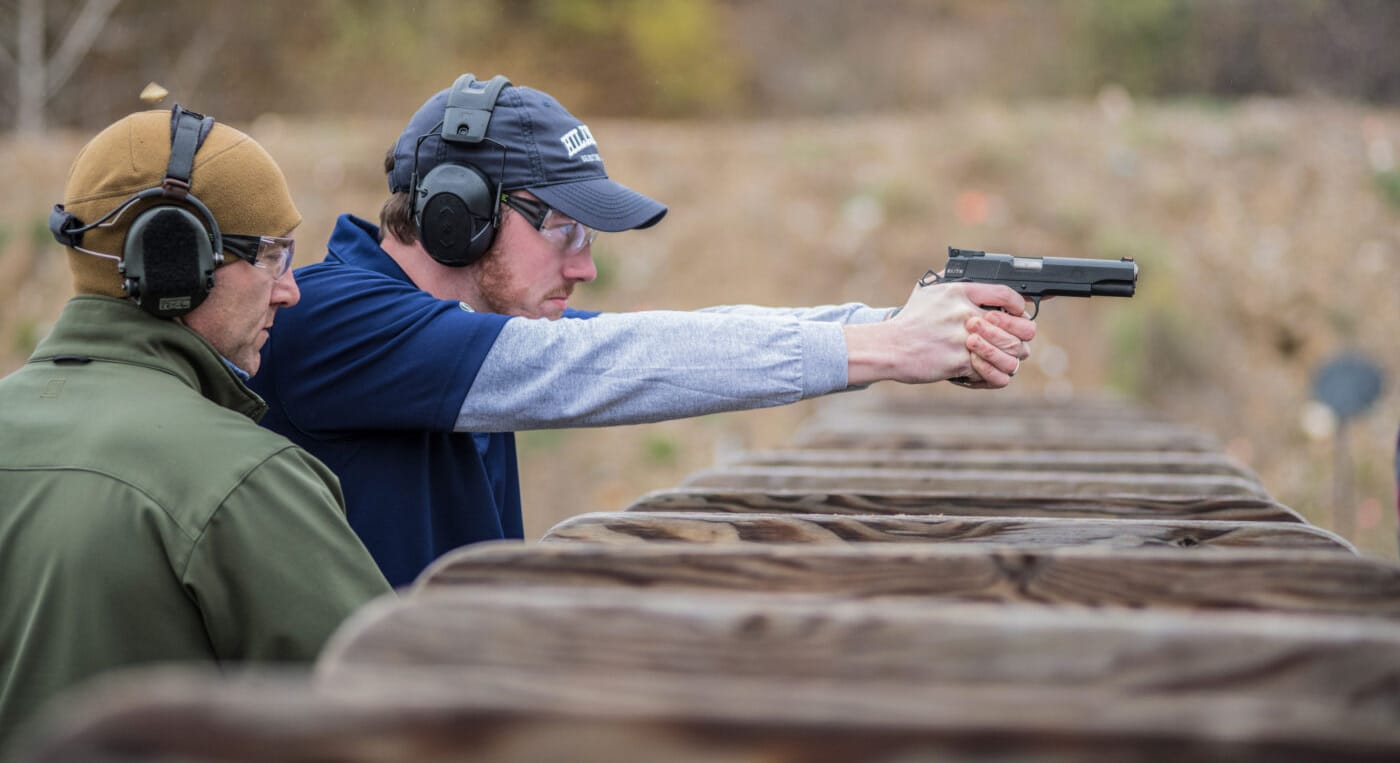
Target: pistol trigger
1036,302
931,274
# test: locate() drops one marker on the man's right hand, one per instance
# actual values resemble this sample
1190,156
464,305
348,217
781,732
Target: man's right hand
944,332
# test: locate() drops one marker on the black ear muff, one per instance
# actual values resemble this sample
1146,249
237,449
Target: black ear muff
456,206
169,263
169,255
456,214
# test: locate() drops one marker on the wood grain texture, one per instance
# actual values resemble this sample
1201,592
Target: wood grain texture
1256,579
758,528
1006,403
822,609
883,430
991,502
782,637
1081,484
1064,461
367,715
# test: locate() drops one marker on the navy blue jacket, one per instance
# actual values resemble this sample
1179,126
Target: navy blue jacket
368,373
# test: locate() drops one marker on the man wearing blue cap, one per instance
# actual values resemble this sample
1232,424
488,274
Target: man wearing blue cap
416,349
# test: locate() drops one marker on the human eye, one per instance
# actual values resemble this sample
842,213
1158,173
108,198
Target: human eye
274,255
563,233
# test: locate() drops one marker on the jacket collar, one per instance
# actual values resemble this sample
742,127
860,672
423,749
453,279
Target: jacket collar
356,242
94,328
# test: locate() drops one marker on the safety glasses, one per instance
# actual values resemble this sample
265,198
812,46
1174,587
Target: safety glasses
567,235
272,253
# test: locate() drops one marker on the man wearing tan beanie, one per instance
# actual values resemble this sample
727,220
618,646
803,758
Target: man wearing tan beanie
144,515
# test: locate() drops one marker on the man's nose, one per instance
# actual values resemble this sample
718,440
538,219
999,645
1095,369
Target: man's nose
285,291
579,266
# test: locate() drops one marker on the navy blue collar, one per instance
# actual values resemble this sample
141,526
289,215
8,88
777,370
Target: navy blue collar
356,242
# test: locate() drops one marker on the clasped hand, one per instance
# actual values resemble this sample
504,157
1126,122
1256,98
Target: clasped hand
975,334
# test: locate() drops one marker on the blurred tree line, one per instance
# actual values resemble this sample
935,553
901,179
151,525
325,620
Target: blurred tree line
82,62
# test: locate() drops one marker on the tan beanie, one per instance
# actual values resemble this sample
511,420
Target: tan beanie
239,182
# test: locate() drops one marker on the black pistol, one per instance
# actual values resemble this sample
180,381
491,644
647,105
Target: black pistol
1037,277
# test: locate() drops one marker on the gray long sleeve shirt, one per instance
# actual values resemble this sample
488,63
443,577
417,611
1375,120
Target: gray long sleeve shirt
635,368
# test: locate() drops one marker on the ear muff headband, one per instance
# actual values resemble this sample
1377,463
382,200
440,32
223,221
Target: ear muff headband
169,255
456,207
469,108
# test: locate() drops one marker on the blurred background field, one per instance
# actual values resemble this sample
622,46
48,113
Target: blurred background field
825,151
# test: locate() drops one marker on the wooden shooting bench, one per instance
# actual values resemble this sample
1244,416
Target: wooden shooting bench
1272,580
729,527
1063,461
986,580
835,637
998,431
517,715
1081,484
996,500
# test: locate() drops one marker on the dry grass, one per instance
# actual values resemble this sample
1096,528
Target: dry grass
1266,244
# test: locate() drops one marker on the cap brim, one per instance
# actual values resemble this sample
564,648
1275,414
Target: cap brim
602,204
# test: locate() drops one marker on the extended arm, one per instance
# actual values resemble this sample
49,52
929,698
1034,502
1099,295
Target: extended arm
850,313
633,368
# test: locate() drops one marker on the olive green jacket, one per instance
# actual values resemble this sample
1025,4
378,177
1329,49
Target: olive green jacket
145,517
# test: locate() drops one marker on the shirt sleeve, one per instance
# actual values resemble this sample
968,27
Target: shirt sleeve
373,354
634,368
277,569
850,313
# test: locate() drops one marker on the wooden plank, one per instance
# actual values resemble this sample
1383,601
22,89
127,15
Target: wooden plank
877,430
516,716
949,438
989,502
1264,580
700,527
1007,481
786,636
997,404
988,419
1165,462
757,528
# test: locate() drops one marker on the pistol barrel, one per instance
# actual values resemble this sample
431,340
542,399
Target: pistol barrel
1114,289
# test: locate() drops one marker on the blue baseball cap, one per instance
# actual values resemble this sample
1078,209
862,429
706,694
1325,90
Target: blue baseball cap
531,144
